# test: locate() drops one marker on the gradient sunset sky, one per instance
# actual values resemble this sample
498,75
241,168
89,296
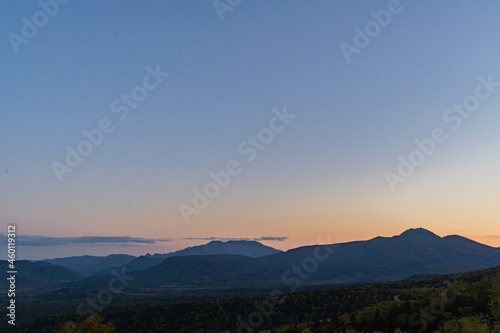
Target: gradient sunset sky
322,178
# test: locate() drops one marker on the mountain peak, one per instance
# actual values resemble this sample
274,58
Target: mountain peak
419,233
237,247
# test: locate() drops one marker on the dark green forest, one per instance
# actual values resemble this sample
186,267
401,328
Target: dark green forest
468,307
433,304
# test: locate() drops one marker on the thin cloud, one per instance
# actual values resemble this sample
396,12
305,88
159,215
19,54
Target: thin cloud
31,240
225,239
279,239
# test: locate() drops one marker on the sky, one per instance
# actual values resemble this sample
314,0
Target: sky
289,122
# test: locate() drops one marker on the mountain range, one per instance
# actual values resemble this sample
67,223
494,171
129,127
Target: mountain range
415,252
250,249
98,265
88,265
37,275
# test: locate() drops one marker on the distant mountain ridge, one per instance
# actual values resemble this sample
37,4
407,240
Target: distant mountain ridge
36,274
88,265
250,249
415,252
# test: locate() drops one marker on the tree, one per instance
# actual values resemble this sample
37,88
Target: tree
465,325
92,324
495,299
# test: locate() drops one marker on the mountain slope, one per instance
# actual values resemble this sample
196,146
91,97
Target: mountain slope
138,264
414,252
87,265
250,249
35,274
204,271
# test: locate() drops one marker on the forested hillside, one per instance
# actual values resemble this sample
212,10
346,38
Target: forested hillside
472,307
421,305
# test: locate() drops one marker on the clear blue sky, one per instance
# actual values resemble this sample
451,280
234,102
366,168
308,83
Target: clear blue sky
323,175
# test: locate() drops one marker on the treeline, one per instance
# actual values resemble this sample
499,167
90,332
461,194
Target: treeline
358,308
460,307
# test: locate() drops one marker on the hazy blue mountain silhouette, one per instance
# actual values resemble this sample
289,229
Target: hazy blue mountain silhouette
35,274
414,252
88,265
250,249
